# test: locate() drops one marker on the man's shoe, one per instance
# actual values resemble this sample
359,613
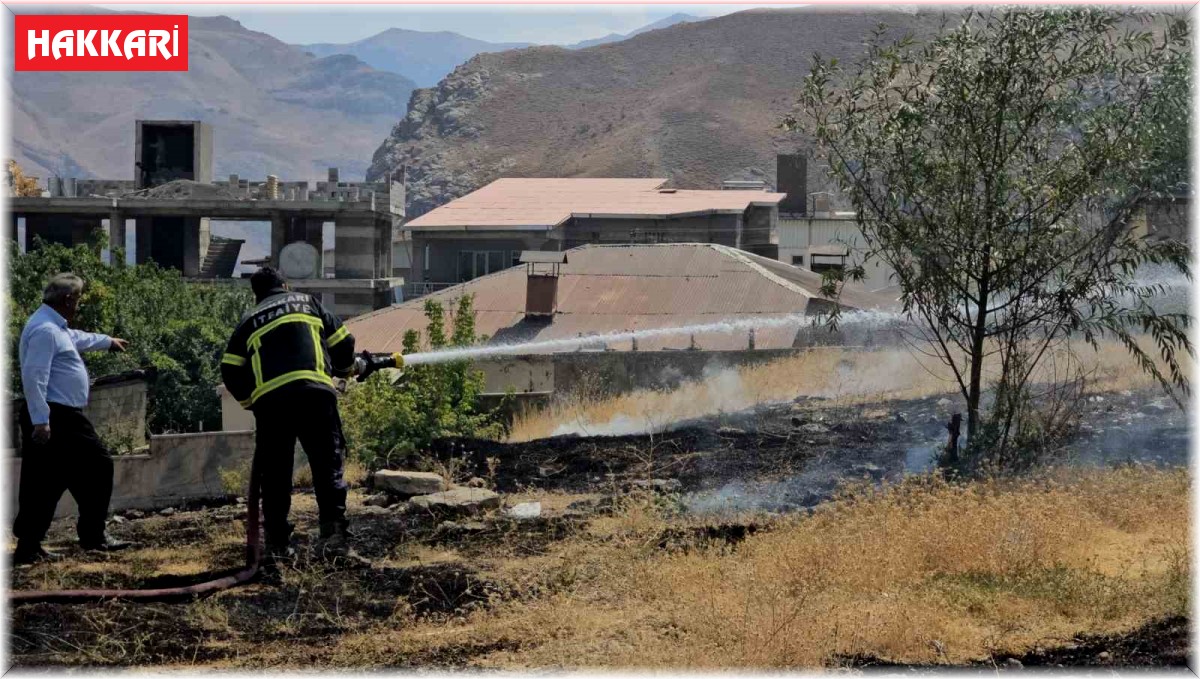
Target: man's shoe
26,557
106,545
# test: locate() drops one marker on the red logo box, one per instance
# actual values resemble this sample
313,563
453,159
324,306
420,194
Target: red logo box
101,42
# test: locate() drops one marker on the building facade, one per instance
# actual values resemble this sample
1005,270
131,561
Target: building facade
486,231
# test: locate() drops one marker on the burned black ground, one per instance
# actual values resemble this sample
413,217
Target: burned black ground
784,456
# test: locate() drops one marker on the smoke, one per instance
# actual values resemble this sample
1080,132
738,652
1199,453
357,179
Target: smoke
826,372
720,390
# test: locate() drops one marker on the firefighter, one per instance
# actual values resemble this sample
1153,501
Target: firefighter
280,363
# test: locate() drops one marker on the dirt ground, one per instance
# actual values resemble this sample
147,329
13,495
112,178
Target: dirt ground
736,474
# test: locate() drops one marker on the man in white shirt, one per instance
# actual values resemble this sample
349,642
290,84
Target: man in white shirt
60,450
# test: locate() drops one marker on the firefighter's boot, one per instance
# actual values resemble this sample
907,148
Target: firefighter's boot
279,545
334,542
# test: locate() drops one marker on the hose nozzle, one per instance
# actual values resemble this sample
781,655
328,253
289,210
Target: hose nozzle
367,364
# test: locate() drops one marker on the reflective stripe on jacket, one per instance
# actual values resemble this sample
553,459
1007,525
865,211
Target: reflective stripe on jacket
289,337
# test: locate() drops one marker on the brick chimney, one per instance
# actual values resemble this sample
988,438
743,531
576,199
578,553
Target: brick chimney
541,283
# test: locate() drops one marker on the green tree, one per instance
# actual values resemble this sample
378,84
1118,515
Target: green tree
388,423
996,169
179,327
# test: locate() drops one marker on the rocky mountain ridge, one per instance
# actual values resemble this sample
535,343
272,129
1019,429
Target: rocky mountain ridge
696,103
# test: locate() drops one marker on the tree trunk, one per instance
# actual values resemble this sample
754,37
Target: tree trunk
953,429
978,335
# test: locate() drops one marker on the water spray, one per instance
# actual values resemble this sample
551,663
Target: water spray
866,319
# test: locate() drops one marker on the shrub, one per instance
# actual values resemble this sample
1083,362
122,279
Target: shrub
388,424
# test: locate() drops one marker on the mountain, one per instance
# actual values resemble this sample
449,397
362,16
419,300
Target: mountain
696,102
617,37
424,57
274,109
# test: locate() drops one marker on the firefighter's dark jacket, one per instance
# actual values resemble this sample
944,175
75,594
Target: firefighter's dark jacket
288,338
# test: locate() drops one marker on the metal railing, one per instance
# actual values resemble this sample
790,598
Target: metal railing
415,290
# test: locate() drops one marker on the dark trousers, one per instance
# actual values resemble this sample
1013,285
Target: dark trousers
75,460
310,415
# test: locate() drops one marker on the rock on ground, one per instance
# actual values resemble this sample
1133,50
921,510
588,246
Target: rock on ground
408,484
377,500
457,500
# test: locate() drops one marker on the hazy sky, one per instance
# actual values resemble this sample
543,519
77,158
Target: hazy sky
548,24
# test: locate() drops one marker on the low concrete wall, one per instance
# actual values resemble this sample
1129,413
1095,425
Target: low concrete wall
599,374
608,373
117,410
179,467
233,416
521,374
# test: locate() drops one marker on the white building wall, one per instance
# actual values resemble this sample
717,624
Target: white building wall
798,237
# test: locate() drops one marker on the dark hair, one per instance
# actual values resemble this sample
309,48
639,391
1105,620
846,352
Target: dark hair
264,281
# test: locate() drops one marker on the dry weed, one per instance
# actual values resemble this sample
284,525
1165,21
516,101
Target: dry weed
926,571
845,376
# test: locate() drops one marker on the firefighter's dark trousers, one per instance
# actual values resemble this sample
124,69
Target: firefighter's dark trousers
310,415
75,460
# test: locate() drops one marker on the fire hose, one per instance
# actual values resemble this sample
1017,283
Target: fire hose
364,365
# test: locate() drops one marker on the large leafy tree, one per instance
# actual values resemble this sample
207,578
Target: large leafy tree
178,326
998,168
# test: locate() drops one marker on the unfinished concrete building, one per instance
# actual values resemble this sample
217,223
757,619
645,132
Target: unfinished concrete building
173,196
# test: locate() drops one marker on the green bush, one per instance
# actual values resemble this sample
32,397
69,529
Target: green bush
178,326
391,424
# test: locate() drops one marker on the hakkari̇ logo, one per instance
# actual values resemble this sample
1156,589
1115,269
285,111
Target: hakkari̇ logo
101,42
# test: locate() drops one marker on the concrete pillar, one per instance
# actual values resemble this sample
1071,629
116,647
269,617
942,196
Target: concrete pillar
314,235
355,244
279,229
205,237
116,236
192,258
383,266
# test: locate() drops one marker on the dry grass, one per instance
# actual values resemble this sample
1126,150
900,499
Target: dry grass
842,375
924,572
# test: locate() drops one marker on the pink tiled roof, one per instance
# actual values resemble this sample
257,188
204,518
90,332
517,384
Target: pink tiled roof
545,203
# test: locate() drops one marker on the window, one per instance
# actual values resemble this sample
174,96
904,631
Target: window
830,263
475,263
827,266
797,260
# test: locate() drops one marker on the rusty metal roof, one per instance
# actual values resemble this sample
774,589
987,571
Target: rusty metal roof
606,289
522,204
